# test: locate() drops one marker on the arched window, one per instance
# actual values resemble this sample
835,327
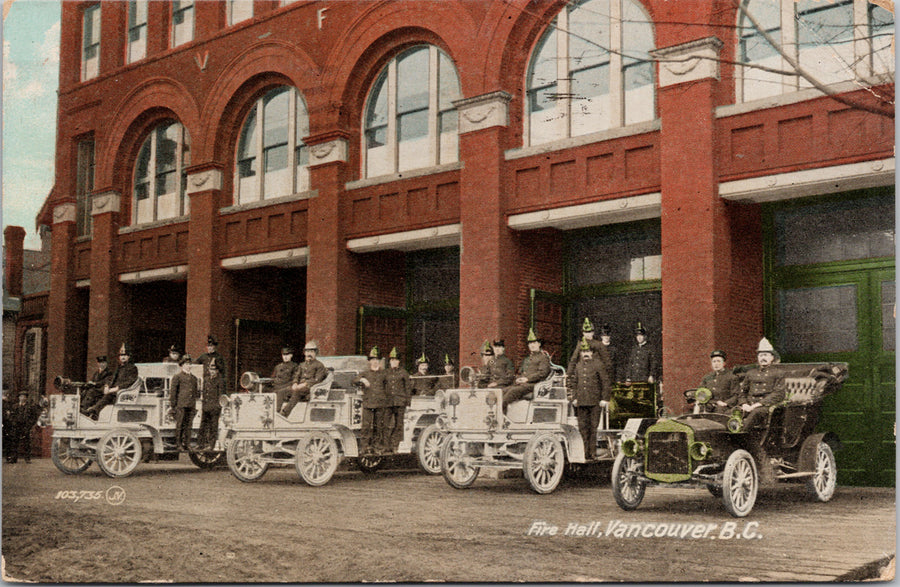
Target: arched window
834,42
591,71
410,121
159,174
272,159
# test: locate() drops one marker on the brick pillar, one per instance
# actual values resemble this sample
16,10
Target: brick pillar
208,298
696,235
488,274
108,325
332,293
60,342
14,249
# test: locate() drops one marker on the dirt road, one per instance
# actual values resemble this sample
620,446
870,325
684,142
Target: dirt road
178,523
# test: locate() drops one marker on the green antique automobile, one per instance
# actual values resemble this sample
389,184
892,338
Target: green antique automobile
716,451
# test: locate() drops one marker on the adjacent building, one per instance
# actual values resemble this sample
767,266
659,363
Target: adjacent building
429,175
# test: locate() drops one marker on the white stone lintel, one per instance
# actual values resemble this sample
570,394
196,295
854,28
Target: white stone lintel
298,257
105,202
485,111
688,62
64,213
201,181
175,272
332,151
626,209
810,182
447,235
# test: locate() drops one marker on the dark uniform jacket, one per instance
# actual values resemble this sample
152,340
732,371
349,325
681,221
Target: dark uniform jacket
535,367
501,371
310,372
125,376
761,384
601,353
399,386
213,389
24,417
374,396
183,390
424,384
724,386
642,363
589,382
283,373
100,378
206,358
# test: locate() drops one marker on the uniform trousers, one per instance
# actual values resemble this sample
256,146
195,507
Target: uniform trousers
209,427
183,419
295,397
515,393
373,434
396,415
588,420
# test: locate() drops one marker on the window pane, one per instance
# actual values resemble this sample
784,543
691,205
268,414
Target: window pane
754,49
590,100
543,64
588,34
275,118
141,171
166,147
448,83
413,125
881,29
239,10
818,320
183,21
825,38
247,142
639,94
412,80
276,157
888,316
302,178
835,231
377,113
617,254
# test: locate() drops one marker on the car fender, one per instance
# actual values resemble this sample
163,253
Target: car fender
573,444
807,459
349,444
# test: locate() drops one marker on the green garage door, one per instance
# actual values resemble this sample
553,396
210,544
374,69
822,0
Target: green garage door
832,298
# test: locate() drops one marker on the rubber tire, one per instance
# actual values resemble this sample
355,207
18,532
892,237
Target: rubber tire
428,449
544,462
246,468
207,459
63,461
740,483
821,485
317,458
118,453
627,491
450,466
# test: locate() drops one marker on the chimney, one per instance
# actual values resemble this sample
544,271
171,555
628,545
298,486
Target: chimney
14,247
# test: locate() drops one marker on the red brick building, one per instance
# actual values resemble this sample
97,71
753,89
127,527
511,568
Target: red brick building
429,175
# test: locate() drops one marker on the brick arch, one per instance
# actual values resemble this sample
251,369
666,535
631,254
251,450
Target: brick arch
376,37
247,77
138,112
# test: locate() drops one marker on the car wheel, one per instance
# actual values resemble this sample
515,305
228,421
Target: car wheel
627,486
456,464
740,483
821,485
544,463
118,453
428,449
65,459
244,458
369,463
317,458
207,459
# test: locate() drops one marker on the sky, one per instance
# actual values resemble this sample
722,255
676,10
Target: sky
30,81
